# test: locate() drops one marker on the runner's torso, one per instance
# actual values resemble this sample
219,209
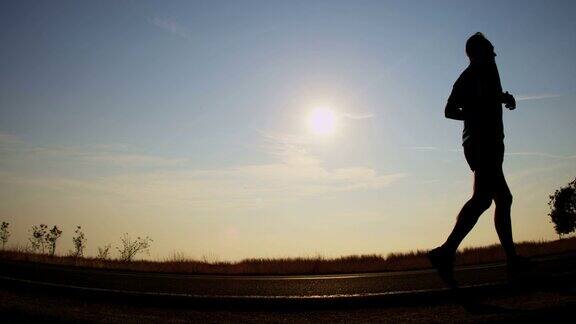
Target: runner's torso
478,91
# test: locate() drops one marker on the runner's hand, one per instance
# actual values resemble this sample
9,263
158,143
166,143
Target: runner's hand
509,101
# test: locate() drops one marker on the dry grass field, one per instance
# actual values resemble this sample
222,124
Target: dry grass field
295,266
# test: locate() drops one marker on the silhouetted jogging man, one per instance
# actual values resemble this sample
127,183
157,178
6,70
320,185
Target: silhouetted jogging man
477,99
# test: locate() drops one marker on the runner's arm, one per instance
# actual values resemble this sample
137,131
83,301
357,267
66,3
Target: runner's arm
454,105
452,111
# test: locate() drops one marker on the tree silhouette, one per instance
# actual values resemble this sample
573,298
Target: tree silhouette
563,209
4,233
79,241
52,237
38,238
42,239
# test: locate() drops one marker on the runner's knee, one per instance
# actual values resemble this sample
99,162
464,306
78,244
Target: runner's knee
482,202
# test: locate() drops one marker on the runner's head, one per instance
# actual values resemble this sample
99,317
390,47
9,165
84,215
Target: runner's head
479,49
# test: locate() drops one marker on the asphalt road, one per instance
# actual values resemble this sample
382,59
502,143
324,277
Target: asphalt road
18,306
275,287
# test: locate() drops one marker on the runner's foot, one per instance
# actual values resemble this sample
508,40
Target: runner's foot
443,262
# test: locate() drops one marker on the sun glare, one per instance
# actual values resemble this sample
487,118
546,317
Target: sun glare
322,121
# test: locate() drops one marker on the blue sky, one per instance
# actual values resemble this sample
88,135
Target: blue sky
186,121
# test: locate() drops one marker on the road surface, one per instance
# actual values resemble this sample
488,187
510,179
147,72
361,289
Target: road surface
561,268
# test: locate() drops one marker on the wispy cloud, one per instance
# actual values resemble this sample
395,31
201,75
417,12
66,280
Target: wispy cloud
9,139
13,147
293,174
170,25
296,163
549,163
422,148
530,172
357,116
538,96
275,139
124,159
542,154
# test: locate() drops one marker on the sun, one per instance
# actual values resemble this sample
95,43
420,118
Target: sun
322,121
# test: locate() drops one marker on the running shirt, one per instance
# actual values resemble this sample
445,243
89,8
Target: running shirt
478,93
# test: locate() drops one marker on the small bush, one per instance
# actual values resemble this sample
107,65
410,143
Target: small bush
131,248
4,234
38,238
104,251
52,237
79,241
